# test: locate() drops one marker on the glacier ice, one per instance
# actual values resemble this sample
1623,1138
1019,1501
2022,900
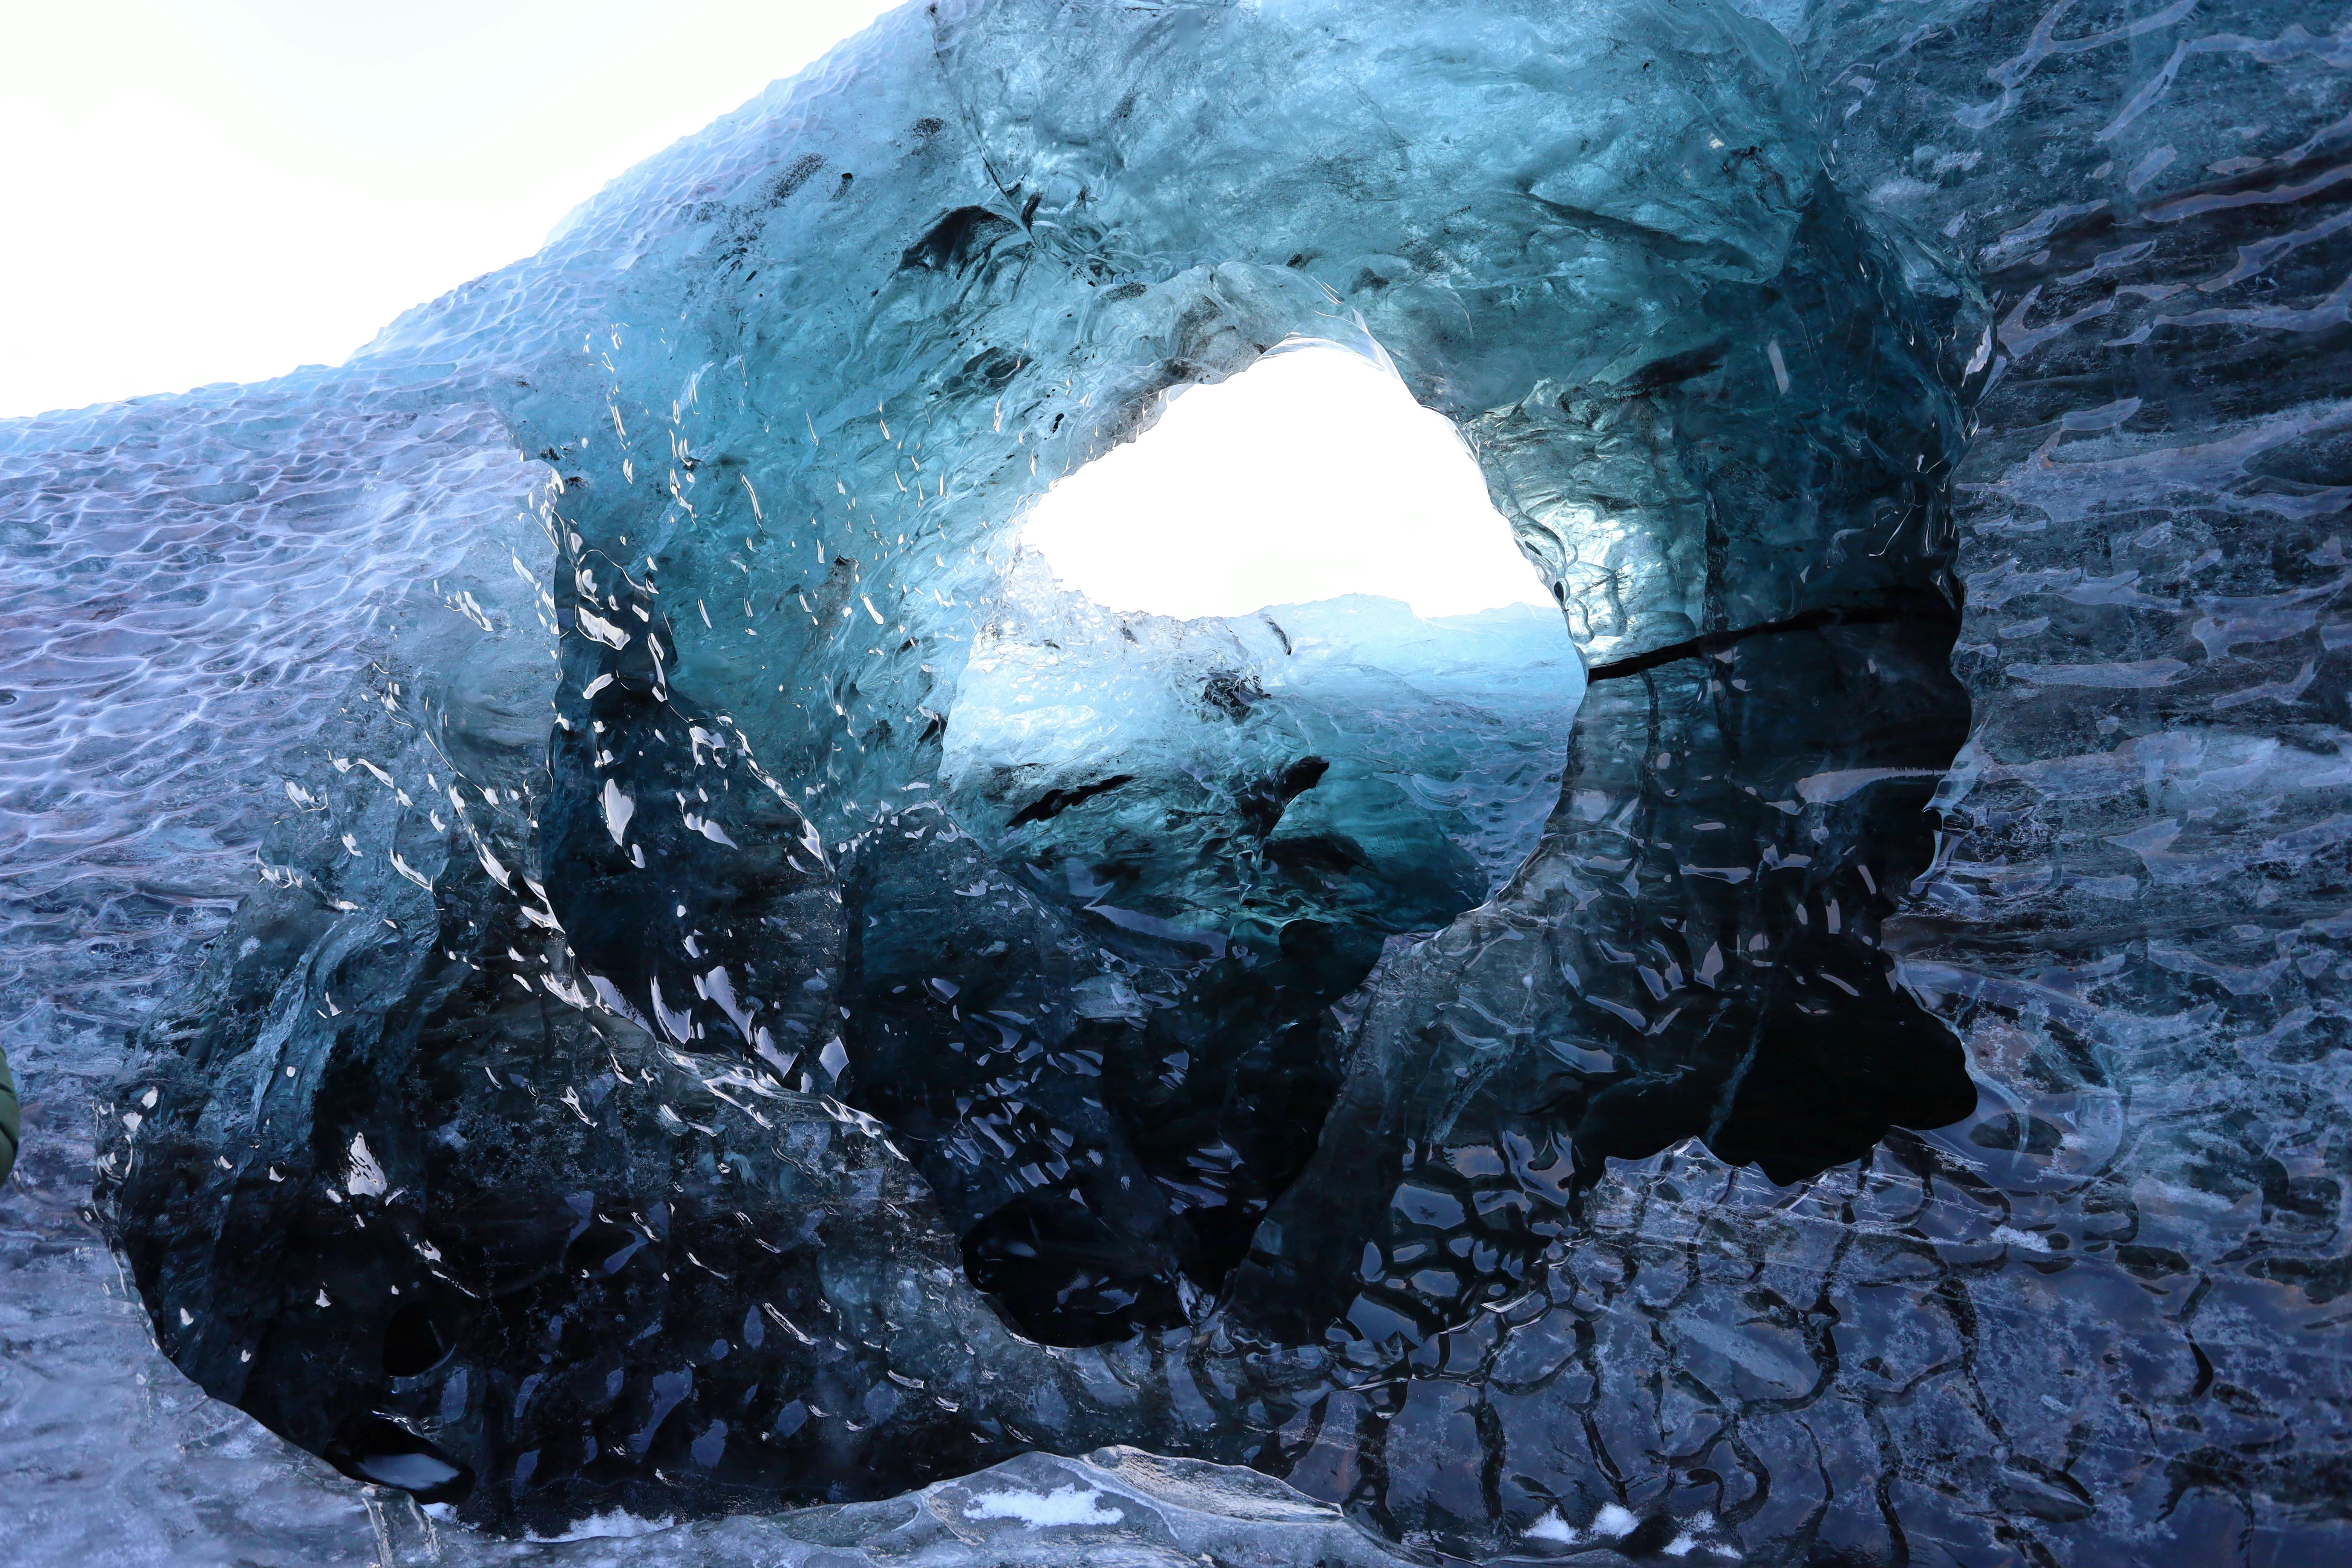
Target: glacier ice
756,999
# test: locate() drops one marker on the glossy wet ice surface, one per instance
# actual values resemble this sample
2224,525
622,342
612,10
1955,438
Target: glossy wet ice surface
710,1028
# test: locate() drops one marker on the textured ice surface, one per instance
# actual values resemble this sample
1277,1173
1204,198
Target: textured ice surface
643,592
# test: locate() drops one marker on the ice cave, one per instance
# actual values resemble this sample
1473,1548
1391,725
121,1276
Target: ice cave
633,940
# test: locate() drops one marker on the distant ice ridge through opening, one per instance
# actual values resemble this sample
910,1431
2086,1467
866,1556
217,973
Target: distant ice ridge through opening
1309,475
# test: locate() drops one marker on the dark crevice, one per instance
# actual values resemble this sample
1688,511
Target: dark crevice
1916,606
1055,801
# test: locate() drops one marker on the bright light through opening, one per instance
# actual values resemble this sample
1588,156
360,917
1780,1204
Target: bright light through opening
1311,475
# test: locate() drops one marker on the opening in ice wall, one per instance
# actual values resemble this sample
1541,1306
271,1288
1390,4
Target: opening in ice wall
1309,475
1311,698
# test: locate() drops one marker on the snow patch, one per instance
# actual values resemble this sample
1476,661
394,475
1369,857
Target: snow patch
366,1178
1062,1505
618,1524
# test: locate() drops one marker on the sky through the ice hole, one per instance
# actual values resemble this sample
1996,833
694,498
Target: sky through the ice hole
1311,475
222,190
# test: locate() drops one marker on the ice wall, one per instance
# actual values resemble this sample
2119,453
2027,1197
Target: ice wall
2136,919
1710,317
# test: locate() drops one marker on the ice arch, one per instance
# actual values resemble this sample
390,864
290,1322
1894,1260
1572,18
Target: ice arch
592,1079
1311,476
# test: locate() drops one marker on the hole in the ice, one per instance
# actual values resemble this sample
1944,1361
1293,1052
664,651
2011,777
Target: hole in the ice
411,1344
1300,561
1312,475
1064,1275
1269,687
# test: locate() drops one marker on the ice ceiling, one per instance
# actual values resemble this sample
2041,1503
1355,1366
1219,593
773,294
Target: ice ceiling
757,998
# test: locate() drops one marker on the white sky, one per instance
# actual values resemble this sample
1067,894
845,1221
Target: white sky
220,190
1310,475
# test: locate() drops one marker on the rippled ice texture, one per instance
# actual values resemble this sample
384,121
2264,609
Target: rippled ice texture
1831,332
